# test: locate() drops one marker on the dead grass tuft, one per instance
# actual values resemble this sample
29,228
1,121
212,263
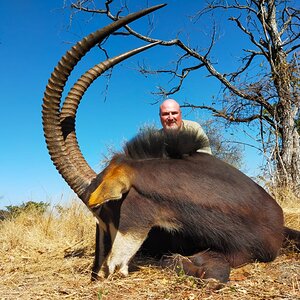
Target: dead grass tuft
290,204
50,257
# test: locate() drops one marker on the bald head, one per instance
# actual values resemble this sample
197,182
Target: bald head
170,115
170,103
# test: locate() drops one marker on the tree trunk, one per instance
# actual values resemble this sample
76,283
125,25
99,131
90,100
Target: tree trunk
288,157
288,161
288,153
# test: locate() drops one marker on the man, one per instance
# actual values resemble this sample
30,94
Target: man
171,119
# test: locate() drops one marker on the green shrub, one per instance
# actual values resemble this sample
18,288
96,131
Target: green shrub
30,206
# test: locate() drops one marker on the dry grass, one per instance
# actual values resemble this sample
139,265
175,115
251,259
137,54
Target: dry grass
290,205
51,258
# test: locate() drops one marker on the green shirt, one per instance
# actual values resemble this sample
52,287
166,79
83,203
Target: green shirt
191,125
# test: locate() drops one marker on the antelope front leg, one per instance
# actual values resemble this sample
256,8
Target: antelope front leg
135,221
106,229
100,251
123,250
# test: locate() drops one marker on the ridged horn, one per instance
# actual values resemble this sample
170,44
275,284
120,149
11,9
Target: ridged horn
52,100
72,101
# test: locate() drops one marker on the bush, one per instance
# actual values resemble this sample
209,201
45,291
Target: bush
30,206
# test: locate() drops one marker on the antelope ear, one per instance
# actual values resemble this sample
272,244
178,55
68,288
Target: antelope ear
117,180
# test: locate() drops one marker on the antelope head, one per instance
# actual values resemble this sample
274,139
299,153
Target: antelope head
59,117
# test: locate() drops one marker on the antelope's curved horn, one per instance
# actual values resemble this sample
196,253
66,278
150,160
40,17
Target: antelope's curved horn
72,101
52,125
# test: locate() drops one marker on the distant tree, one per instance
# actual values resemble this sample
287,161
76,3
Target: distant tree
263,90
30,206
226,150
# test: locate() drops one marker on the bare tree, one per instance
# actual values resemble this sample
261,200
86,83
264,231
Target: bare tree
270,98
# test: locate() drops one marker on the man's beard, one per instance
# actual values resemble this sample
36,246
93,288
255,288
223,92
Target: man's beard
171,128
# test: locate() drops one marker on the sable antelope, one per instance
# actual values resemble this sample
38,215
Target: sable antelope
159,188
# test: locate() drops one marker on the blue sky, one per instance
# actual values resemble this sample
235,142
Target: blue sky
34,35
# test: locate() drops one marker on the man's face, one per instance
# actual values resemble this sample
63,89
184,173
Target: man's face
170,116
